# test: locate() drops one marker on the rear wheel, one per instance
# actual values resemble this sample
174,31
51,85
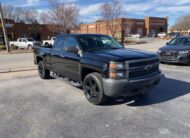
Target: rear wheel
47,44
93,89
29,47
43,73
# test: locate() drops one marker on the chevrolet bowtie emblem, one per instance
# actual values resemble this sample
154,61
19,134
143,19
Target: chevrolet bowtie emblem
148,67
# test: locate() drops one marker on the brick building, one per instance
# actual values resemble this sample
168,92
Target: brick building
36,31
127,27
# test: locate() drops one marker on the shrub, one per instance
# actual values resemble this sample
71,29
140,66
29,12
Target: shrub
2,48
14,47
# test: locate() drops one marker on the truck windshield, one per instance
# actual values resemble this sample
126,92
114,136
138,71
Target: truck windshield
180,42
97,43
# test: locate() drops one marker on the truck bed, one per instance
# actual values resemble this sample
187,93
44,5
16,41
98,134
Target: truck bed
43,52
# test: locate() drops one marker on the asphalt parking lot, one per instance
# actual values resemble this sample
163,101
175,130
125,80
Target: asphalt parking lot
35,108
32,108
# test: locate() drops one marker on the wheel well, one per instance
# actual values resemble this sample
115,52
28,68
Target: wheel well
86,71
46,43
39,59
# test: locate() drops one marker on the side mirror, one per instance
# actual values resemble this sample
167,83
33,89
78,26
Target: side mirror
71,49
122,44
167,43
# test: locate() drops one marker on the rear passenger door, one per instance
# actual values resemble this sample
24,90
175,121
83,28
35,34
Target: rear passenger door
57,56
20,43
25,44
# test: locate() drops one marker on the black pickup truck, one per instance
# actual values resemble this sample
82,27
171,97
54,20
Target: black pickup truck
102,66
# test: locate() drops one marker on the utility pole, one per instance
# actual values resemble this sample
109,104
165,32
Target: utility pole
4,29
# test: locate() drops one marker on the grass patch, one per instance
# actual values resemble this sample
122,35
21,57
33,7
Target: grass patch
2,48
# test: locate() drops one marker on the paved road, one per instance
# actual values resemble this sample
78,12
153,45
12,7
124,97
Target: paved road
153,44
35,108
14,62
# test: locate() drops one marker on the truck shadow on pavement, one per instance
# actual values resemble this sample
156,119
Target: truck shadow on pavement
168,89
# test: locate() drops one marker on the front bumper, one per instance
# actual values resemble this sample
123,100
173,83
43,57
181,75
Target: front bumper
175,59
115,88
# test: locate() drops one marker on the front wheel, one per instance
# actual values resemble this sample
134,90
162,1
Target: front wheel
93,89
43,73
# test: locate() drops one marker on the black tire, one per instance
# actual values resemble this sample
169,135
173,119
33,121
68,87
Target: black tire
93,89
43,73
47,44
29,47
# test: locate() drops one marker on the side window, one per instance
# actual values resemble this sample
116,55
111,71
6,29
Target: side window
24,40
70,41
59,43
20,40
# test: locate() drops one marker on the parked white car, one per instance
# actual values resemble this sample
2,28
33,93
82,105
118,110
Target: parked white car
24,43
161,34
49,42
136,36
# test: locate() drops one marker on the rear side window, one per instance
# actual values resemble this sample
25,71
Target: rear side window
59,43
70,41
20,40
175,41
186,42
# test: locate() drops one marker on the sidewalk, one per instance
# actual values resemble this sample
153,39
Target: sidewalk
16,62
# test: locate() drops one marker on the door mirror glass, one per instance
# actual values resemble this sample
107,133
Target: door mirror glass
71,49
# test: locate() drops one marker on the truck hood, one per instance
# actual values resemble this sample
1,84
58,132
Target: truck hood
119,55
174,48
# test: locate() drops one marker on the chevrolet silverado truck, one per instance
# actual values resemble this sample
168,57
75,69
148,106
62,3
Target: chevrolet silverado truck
102,66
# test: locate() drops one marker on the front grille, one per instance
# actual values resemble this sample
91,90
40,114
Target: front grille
139,69
139,73
168,58
170,53
138,63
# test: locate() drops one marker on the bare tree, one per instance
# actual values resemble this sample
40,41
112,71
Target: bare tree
182,23
64,15
8,11
110,12
31,16
44,18
20,14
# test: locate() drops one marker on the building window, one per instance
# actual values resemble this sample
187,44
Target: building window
140,23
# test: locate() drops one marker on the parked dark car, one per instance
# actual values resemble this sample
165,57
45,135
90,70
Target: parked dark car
151,35
100,64
176,51
172,35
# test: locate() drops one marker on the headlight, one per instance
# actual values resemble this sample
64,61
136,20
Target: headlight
114,65
117,70
116,75
184,52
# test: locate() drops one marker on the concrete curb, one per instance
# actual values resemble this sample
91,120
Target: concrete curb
16,70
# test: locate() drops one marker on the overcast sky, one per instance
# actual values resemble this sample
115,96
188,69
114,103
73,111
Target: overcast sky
89,9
